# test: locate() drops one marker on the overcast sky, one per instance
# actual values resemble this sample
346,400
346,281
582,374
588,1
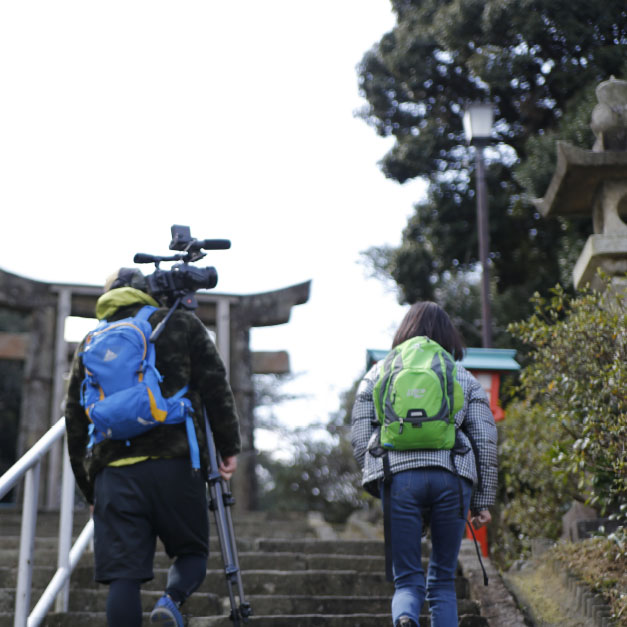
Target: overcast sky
119,119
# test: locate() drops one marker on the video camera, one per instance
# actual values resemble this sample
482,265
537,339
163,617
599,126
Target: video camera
182,280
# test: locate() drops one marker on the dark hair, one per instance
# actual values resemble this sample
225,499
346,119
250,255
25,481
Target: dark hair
429,319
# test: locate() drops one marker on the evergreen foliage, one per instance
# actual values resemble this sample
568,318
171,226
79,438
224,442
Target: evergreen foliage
538,62
565,437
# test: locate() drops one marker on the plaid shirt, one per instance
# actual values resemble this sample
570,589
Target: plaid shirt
475,419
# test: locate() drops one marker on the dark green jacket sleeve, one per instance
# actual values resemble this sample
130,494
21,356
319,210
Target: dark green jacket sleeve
77,425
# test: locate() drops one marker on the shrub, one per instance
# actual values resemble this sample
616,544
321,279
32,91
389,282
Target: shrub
532,498
578,379
564,438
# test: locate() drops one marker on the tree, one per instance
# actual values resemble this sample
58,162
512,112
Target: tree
538,62
320,473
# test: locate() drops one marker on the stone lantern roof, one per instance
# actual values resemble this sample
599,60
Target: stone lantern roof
594,183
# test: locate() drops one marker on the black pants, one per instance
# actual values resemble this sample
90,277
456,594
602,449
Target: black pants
135,505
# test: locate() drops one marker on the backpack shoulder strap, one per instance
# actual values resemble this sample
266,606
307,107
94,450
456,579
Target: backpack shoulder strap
387,516
145,312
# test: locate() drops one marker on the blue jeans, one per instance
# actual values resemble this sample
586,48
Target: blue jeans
437,490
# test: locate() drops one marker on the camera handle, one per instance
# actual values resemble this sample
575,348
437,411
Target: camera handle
159,328
220,502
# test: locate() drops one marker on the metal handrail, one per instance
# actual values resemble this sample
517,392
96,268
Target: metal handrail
31,457
29,466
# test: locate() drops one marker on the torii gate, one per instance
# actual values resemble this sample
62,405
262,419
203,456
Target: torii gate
47,355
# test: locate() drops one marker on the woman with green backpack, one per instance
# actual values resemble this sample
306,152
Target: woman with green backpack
425,439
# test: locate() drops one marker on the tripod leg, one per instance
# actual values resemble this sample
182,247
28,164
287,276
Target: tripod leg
245,610
220,503
230,567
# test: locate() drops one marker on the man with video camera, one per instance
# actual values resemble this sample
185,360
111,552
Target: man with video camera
144,487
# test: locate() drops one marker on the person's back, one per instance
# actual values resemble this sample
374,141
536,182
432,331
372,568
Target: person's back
414,484
144,487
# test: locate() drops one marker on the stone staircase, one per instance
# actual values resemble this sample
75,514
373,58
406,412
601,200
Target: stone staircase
294,573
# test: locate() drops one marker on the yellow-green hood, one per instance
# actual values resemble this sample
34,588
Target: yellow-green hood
111,301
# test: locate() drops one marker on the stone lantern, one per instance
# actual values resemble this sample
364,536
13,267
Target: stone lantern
594,183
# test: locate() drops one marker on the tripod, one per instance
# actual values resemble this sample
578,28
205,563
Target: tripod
220,502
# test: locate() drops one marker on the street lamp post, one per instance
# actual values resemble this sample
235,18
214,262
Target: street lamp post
478,119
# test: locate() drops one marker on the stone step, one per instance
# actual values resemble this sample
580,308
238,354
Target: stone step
89,619
314,545
322,620
47,522
94,600
310,553
14,513
290,577
203,604
211,605
250,560
294,604
271,529
294,582
8,543
258,542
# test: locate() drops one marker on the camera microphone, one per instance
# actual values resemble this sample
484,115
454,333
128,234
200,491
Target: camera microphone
214,244
144,258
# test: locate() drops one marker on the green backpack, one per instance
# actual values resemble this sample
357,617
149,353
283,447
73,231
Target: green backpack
416,397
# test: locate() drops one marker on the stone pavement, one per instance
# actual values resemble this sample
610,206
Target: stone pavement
295,570
495,600
299,570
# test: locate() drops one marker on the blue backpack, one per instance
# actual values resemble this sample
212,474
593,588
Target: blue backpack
120,392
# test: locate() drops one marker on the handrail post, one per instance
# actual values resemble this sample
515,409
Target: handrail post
66,526
27,545
64,307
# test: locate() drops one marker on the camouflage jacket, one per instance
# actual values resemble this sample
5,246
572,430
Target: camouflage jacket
185,355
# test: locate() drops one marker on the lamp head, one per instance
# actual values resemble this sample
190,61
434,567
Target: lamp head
478,119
